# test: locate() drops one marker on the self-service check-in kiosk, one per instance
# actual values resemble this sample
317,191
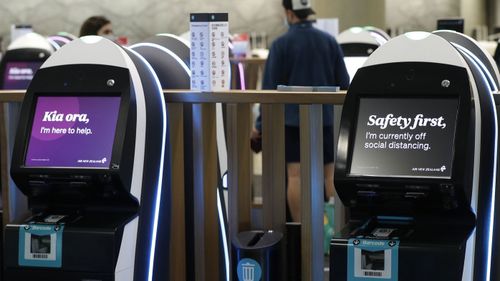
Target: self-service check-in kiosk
23,58
358,43
416,165
89,156
169,57
480,57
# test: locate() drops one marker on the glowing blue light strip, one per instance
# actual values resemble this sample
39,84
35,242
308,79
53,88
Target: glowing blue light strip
165,50
219,206
224,238
485,77
219,203
160,179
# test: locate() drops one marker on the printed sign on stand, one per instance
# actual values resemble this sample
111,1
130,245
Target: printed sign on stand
209,52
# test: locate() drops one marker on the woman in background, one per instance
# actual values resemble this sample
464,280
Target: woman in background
97,25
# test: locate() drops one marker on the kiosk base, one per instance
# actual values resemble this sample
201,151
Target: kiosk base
397,250
89,252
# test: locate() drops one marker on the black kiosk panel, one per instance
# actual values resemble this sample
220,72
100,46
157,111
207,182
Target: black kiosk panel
451,24
400,142
358,49
74,129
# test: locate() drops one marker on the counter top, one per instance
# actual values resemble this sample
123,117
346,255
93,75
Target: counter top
231,96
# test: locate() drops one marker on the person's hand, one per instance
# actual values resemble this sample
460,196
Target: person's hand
256,141
255,134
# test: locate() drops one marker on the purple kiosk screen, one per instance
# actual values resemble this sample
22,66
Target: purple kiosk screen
73,132
18,75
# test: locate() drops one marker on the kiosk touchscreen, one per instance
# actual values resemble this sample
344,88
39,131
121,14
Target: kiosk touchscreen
83,127
89,156
416,165
404,137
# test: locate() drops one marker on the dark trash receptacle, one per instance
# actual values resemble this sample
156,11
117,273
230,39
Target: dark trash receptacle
257,256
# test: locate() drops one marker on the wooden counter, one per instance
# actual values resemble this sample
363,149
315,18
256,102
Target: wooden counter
232,96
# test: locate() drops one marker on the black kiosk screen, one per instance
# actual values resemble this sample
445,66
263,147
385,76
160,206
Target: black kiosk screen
401,137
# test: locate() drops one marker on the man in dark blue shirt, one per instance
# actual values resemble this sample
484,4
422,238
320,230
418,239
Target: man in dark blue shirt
304,56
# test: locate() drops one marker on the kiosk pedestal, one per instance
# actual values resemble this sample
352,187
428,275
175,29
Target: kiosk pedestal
94,241
398,249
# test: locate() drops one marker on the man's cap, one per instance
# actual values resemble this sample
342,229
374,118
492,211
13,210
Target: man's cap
299,6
